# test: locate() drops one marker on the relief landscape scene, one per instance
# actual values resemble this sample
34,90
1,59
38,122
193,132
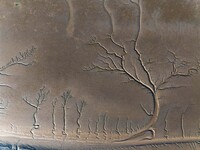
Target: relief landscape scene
100,74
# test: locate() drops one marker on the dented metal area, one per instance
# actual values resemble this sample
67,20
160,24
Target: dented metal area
100,74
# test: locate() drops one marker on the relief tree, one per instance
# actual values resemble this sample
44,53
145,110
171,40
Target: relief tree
79,108
41,97
66,96
125,58
54,102
21,59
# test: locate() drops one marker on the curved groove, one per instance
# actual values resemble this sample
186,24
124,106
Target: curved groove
106,10
70,20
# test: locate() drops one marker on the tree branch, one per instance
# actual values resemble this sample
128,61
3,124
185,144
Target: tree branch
175,72
171,87
19,59
95,41
135,78
5,85
29,103
146,112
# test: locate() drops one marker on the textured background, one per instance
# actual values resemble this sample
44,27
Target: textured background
61,30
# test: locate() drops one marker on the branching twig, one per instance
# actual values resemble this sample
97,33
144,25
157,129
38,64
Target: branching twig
19,60
146,112
171,87
176,64
94,40
42,94
5,85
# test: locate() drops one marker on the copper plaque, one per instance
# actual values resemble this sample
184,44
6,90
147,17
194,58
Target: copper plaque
100,74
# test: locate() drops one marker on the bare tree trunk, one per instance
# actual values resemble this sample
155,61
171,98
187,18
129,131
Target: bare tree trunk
149,126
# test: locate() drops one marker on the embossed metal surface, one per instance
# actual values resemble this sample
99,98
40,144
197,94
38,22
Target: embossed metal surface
100,74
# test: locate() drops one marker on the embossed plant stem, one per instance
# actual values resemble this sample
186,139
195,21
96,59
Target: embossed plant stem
79,108
182,121
117,127
127,125
35,124
152,89
64,120
131,127
97,128
89,129
104,126
42,94
53,117
149,125
199,128
165,128
182,125
66,97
